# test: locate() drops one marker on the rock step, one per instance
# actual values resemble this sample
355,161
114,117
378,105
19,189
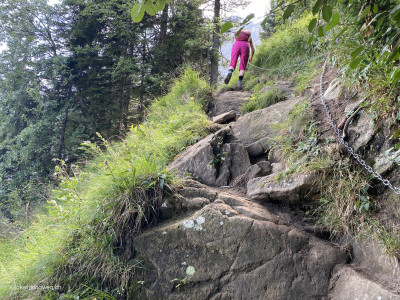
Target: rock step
350,284
233,248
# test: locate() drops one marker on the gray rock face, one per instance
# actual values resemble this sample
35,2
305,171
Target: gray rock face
259,169
361,133
333,91
258,148
230,100
225,117
234,249
286,87
292,188
216,160
353,285
260,124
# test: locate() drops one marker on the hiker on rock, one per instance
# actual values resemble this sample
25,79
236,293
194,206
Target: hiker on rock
241,47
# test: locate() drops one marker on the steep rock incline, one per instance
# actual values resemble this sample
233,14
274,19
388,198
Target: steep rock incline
233,248
216,160
219,245
262,124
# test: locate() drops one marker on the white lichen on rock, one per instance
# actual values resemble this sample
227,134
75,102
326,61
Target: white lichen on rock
195,224
190,271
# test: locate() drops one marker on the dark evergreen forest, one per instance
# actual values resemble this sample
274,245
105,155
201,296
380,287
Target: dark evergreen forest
79,70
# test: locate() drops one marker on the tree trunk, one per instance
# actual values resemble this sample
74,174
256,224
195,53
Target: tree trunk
215,43
163,26
62,135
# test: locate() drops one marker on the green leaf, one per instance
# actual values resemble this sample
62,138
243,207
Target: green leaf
150,8
288,11
310,40
341,32
395,75
320,31
365,12
354,64
375,9
335,21
264,21
380,22
395,9
327,13
316,7
312,24
247,19
357,52
394,56
226,26
136,11
238,32
160,5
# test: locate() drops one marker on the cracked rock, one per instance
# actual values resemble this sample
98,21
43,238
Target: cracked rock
216,160
237,250
291,188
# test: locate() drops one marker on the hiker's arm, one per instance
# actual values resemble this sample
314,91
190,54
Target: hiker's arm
252,49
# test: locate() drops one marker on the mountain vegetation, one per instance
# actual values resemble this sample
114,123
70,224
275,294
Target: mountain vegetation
98,97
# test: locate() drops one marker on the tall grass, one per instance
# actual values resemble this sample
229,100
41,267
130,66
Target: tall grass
84,236
285,47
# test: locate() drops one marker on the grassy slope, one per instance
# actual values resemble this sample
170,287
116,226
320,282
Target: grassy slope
88,202
110,179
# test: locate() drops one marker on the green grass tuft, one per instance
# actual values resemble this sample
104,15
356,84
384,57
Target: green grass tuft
96,210
262,100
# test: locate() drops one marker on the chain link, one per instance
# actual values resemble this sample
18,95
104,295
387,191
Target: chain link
287,67
345,144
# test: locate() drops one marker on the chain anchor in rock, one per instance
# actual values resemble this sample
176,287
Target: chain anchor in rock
349,149
344,124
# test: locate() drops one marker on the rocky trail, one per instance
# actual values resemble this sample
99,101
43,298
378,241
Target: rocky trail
234,235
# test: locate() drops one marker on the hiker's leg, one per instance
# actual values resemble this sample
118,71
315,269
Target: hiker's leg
244,58
234,57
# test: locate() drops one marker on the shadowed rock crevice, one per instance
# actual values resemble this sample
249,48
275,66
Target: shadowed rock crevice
216,160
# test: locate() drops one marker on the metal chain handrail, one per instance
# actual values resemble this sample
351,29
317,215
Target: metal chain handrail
289,66
345,144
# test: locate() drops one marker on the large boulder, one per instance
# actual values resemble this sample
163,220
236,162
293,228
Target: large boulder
291,188
225,117
227,101
234,249
262,124
350,284
216,160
